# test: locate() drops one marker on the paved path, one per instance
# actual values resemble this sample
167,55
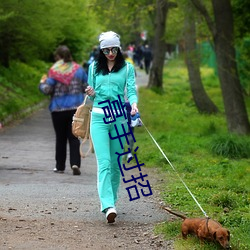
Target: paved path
29,189
141,78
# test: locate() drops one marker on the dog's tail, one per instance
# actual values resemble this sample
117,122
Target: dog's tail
175,213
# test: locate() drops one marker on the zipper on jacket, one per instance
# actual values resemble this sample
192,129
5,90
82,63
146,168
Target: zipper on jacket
109,84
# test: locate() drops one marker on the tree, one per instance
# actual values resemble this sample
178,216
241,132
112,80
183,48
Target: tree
223,38
128,18
201,99
159,46
28,33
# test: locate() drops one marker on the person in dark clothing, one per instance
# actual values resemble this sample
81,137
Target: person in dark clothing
147,54
93,55
138,55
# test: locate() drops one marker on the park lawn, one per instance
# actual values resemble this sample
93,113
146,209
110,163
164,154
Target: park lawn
220,183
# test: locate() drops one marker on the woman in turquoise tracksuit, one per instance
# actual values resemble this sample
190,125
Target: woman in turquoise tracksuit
108,77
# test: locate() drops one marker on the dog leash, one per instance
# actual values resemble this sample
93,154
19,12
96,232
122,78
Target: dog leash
175,170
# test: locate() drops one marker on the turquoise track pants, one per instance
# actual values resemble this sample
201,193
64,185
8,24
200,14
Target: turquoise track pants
108,172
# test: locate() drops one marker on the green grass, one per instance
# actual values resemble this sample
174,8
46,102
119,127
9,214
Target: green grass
19,88
214,164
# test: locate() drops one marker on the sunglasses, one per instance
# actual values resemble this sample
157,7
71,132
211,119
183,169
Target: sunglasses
106,51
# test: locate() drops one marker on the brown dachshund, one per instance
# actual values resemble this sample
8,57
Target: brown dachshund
204,229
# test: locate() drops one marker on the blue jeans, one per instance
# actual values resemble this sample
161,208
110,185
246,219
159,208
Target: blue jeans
108,172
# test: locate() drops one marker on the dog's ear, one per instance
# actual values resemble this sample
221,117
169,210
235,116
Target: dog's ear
228,237
214,235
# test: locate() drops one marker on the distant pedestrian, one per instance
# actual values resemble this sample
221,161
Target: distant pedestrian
147,54
93,55
65,84
138,55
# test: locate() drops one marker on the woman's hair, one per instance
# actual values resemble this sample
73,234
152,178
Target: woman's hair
102,67
63,52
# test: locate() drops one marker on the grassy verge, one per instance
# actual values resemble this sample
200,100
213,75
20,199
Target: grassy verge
19,88
212,163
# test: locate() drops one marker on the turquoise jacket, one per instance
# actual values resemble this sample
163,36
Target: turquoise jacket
108,87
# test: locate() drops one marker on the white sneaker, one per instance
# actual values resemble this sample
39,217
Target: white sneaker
111,214
129,157
76,170
58,171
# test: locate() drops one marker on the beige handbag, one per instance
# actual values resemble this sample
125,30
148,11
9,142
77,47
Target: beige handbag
81,126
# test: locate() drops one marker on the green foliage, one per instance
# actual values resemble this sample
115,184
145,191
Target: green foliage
231,146
128,18
241,17
219,183
19,87
243,59
175,28
175,25
29,33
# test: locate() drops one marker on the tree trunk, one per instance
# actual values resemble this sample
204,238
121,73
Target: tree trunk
201,99
159,47
235,109
223,38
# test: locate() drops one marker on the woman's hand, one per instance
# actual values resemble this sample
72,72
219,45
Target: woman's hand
43,79
90,91
134,109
